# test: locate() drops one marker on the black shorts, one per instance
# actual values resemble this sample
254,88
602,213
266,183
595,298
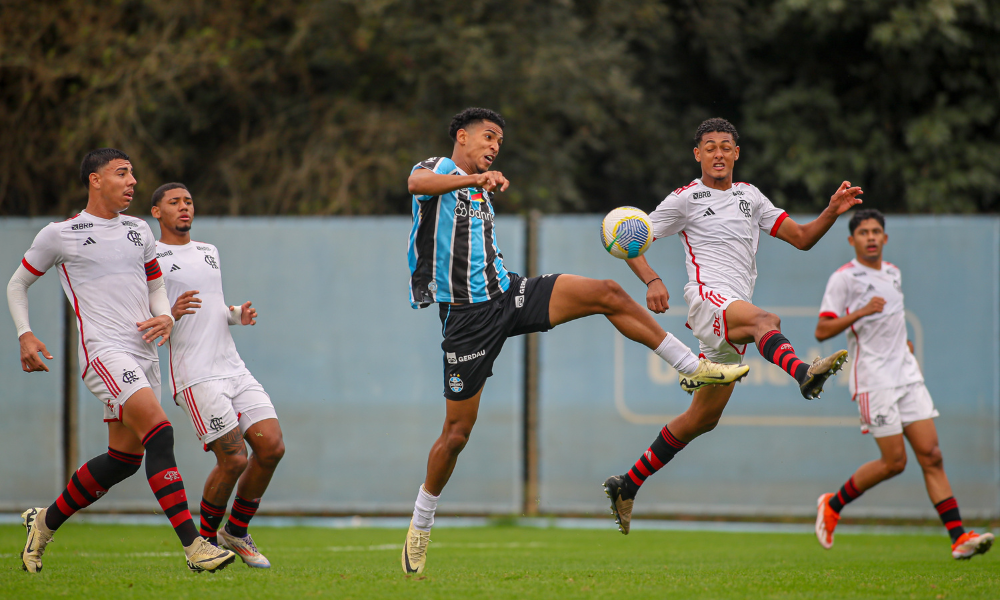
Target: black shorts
474,333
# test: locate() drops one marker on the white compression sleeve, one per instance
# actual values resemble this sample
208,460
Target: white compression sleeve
677,354
159,304
235,315
17,298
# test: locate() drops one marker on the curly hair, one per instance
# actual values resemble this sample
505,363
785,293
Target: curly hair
95,159
715,124
473,115
863,214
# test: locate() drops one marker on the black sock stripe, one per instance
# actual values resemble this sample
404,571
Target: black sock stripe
83,491
68,499
169,489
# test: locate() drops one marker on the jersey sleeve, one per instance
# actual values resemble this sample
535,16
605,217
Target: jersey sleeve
149,254
436,164
670,216
771,216
45,251
835,298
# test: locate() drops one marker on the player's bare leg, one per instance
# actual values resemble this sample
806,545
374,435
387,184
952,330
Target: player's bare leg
460,418
574,297
701,417
748,324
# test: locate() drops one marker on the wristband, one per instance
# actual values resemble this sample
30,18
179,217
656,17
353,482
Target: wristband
652,280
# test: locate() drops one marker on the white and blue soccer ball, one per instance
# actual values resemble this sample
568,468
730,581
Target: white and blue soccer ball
626,232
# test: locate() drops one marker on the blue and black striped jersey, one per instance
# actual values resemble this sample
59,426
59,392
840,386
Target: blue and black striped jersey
453,251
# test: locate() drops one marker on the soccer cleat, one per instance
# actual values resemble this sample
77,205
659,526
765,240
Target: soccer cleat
970,544
203,556
712,373
415,550
819,372
38,537
621,507
826,521
245,549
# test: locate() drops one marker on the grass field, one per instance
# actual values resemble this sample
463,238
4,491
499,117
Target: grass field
117,561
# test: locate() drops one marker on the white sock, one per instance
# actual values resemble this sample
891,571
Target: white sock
423,510
677,355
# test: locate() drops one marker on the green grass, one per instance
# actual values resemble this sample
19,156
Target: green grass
115,561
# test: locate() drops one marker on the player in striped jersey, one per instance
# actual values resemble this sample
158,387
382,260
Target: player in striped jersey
108,268
865,298
455,261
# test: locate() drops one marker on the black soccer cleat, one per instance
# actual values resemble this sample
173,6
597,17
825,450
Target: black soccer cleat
621,501
821,370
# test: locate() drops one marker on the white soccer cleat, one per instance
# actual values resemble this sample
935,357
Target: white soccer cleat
971,544
819,371
203,556
415,550
245,549
712,373
826,521
39,536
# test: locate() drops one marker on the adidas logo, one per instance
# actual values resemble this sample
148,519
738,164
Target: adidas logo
709,212
174,268
89,241
871,288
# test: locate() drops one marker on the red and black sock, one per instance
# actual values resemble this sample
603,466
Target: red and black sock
166,481
90,482
239,517
948,511
848,493
775,348
663,448
211,516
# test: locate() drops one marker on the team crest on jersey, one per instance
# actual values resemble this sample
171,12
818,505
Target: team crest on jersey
215,423
432,287
211,261
129,377
745,208
134,237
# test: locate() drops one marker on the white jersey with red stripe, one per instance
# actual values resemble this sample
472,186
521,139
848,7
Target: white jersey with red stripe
719,231
877,342
104,265
201,347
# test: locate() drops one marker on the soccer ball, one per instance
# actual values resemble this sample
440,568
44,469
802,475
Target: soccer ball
626,232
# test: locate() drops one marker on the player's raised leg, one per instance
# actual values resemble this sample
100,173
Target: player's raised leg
701,417
747,323
574,297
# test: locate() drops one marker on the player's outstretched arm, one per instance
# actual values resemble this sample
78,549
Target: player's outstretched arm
17,301
242,315
657,296
424,182
827,327
805,236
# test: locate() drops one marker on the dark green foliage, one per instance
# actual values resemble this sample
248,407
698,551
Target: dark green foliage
322,107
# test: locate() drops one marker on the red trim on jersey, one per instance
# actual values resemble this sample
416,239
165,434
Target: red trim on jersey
681,189
827,313
777,224
31,269
153,270
847,266
76,307
725,326
105,375
857,339
170,361
199,424
697,269
71,218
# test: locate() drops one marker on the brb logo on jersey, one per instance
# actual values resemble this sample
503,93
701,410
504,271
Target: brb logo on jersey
129,377
134,237
211,261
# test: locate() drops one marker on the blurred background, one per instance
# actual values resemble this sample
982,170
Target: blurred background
295,125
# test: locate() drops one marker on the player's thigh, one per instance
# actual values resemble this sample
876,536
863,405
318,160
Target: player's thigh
708,315
574,297
892,448
474,335
743,321
142,412
923,437
461,415
123,439
879,412
114,377
209,409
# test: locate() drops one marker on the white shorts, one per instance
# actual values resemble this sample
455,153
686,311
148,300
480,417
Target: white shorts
217,406
886,412
707,319
114,376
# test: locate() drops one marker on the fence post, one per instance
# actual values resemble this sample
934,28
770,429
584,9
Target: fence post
70,391
531,357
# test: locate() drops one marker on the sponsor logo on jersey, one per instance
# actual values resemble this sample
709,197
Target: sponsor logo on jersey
79,226
708,212
432,287
474,355
134,237
451,358
100,493
737,193
211,261
745,208
174,268
859,274
524,282
204,248
89,241
455,383
518,301
129,223
461,210
129,376
717,326
700,195
162,254
215,423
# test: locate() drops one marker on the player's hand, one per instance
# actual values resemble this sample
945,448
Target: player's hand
248,316
186,304
909,344
845,197
492,180
657,297
160,326
30,347
875,305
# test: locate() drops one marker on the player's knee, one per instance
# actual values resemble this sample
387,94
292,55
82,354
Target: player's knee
895,465
233,465
271,454
611,294
932,459
457,438
708,423
769,321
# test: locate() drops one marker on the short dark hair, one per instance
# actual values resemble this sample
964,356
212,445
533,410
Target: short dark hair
863,215
95,159
473,115
166,187
715,124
